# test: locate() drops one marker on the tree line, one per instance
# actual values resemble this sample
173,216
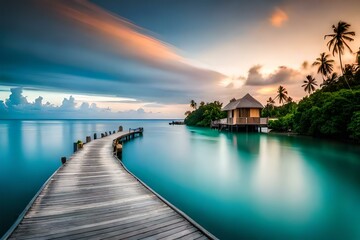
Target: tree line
332,110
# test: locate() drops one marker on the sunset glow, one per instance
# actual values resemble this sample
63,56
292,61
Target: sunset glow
109,50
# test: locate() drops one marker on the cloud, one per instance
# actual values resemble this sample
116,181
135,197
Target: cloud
278,17
38,103
281,75
18,107
101,53
68,104
16,98
3,107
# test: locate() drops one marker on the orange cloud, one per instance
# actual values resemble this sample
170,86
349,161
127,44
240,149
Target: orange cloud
278,18
117,30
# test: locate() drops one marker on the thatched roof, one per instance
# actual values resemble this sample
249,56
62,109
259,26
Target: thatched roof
245,102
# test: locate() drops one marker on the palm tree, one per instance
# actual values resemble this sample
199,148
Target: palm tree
202,103
282,94
270,101
339,39
193,104
330,80
325,65
187,113
358,59
289,100
350,70
309,84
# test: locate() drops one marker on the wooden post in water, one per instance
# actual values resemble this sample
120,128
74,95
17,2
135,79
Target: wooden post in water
88,139
102,135
114,132
63,160
75,146
109,132
118,150
120,129
94,136
105,134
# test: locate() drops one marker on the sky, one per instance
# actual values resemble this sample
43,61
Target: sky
148,59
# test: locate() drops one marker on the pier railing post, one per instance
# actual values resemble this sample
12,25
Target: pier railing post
95,136
63,160
75,146
88,139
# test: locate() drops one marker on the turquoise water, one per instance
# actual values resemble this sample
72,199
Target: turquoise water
30,152
238,186
253,186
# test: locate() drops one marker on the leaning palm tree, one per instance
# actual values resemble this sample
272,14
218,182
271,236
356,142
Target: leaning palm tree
289,100
281,94
338,41
193,104
309,84
187,113
325,65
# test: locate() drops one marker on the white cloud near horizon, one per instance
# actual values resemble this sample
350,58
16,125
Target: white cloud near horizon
18,107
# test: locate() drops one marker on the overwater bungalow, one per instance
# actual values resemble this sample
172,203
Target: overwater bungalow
242,114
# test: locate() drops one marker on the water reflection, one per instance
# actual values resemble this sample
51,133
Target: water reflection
236,184
30,152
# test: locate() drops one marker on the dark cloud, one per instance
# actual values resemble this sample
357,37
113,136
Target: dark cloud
281,75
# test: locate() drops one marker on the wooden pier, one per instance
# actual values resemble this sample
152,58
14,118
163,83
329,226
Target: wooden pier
93,196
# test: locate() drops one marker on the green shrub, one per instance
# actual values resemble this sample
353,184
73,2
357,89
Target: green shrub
283,124
327,114
206,113
354,126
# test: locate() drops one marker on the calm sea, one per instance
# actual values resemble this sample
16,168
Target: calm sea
256,186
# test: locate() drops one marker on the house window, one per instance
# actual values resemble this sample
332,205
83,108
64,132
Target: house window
244,112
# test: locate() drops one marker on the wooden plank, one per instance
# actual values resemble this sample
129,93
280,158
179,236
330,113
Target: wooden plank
93,197
191,236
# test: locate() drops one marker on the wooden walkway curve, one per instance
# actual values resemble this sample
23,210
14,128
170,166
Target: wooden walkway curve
93,197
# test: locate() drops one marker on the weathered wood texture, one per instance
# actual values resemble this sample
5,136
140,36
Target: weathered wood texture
93,197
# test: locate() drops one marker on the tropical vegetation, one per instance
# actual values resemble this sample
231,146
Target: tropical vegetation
282,94
333,111
309,84
325,65
203,115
